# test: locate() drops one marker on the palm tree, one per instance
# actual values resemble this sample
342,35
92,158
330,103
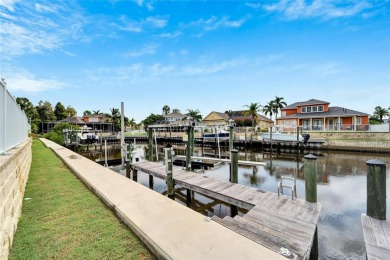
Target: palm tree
195,114
381,112
115,117
166,110
253,109
96,112
269,108
279,104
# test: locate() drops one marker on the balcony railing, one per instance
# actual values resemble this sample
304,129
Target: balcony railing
336,127
14,126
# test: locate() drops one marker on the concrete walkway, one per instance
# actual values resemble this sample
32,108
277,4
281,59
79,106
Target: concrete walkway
169,229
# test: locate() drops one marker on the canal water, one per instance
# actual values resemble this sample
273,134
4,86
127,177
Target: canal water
341,190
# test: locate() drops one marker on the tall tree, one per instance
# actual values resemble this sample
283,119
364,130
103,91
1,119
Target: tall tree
45,111
279,103
151,119
195,114
381,112
59,111
87,113
96,112
269,109
116,118
166,110
253,109
31,113
70,111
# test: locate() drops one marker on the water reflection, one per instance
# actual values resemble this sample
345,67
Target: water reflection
341,191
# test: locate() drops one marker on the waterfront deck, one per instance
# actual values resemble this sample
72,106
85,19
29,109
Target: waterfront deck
272,221
376,237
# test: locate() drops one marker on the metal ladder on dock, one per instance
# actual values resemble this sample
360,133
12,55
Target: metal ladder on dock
293,187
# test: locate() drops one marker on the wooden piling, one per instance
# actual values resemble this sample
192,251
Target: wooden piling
135,175
310,174
231,138
151,182
150,144
170,183
376,189
189,150
233,177
128,159
189,197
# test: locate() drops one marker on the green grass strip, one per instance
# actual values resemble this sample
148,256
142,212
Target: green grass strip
65,220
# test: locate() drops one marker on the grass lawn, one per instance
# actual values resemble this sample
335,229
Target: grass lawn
63,219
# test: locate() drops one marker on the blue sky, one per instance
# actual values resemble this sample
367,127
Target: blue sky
206,55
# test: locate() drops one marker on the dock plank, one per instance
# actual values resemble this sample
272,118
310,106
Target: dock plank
376,234
271,220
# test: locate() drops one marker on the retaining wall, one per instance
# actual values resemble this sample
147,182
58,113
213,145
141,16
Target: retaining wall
14,171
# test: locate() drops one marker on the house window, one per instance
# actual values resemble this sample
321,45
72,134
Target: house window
358,120
283,113
314,109
308,109
303,109
320,108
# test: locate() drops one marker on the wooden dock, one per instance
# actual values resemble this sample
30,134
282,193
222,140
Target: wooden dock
277,223
377,237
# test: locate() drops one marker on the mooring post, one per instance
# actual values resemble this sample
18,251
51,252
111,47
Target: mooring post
310,175
231,128
150,145
376,189
233,177
190,134
128,159
191,139
135,175
170,183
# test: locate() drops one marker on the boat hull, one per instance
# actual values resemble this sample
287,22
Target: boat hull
280,137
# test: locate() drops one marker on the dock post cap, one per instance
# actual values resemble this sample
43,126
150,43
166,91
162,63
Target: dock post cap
310,157
234,151
375,162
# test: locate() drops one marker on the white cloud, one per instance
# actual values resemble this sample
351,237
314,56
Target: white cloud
134,73
147,50
253,5
170,35
318,8
19,79
139,26
9,4
212,68
29,31
214,23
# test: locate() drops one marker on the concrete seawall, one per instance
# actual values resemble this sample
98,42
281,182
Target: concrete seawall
14,171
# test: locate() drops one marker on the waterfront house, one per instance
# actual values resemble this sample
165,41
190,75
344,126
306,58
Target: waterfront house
216,118
93,122
241,117
318,115
174,117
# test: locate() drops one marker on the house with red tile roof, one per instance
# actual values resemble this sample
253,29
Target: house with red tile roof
316,114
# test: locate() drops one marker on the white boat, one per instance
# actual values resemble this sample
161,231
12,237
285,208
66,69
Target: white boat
222,135
284,137
276,136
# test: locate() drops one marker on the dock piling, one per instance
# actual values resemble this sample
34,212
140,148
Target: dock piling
376,189
310,174
234,177
170,183
150,144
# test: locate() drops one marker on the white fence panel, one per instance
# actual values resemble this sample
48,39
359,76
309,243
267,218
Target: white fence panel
380,128
14,126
